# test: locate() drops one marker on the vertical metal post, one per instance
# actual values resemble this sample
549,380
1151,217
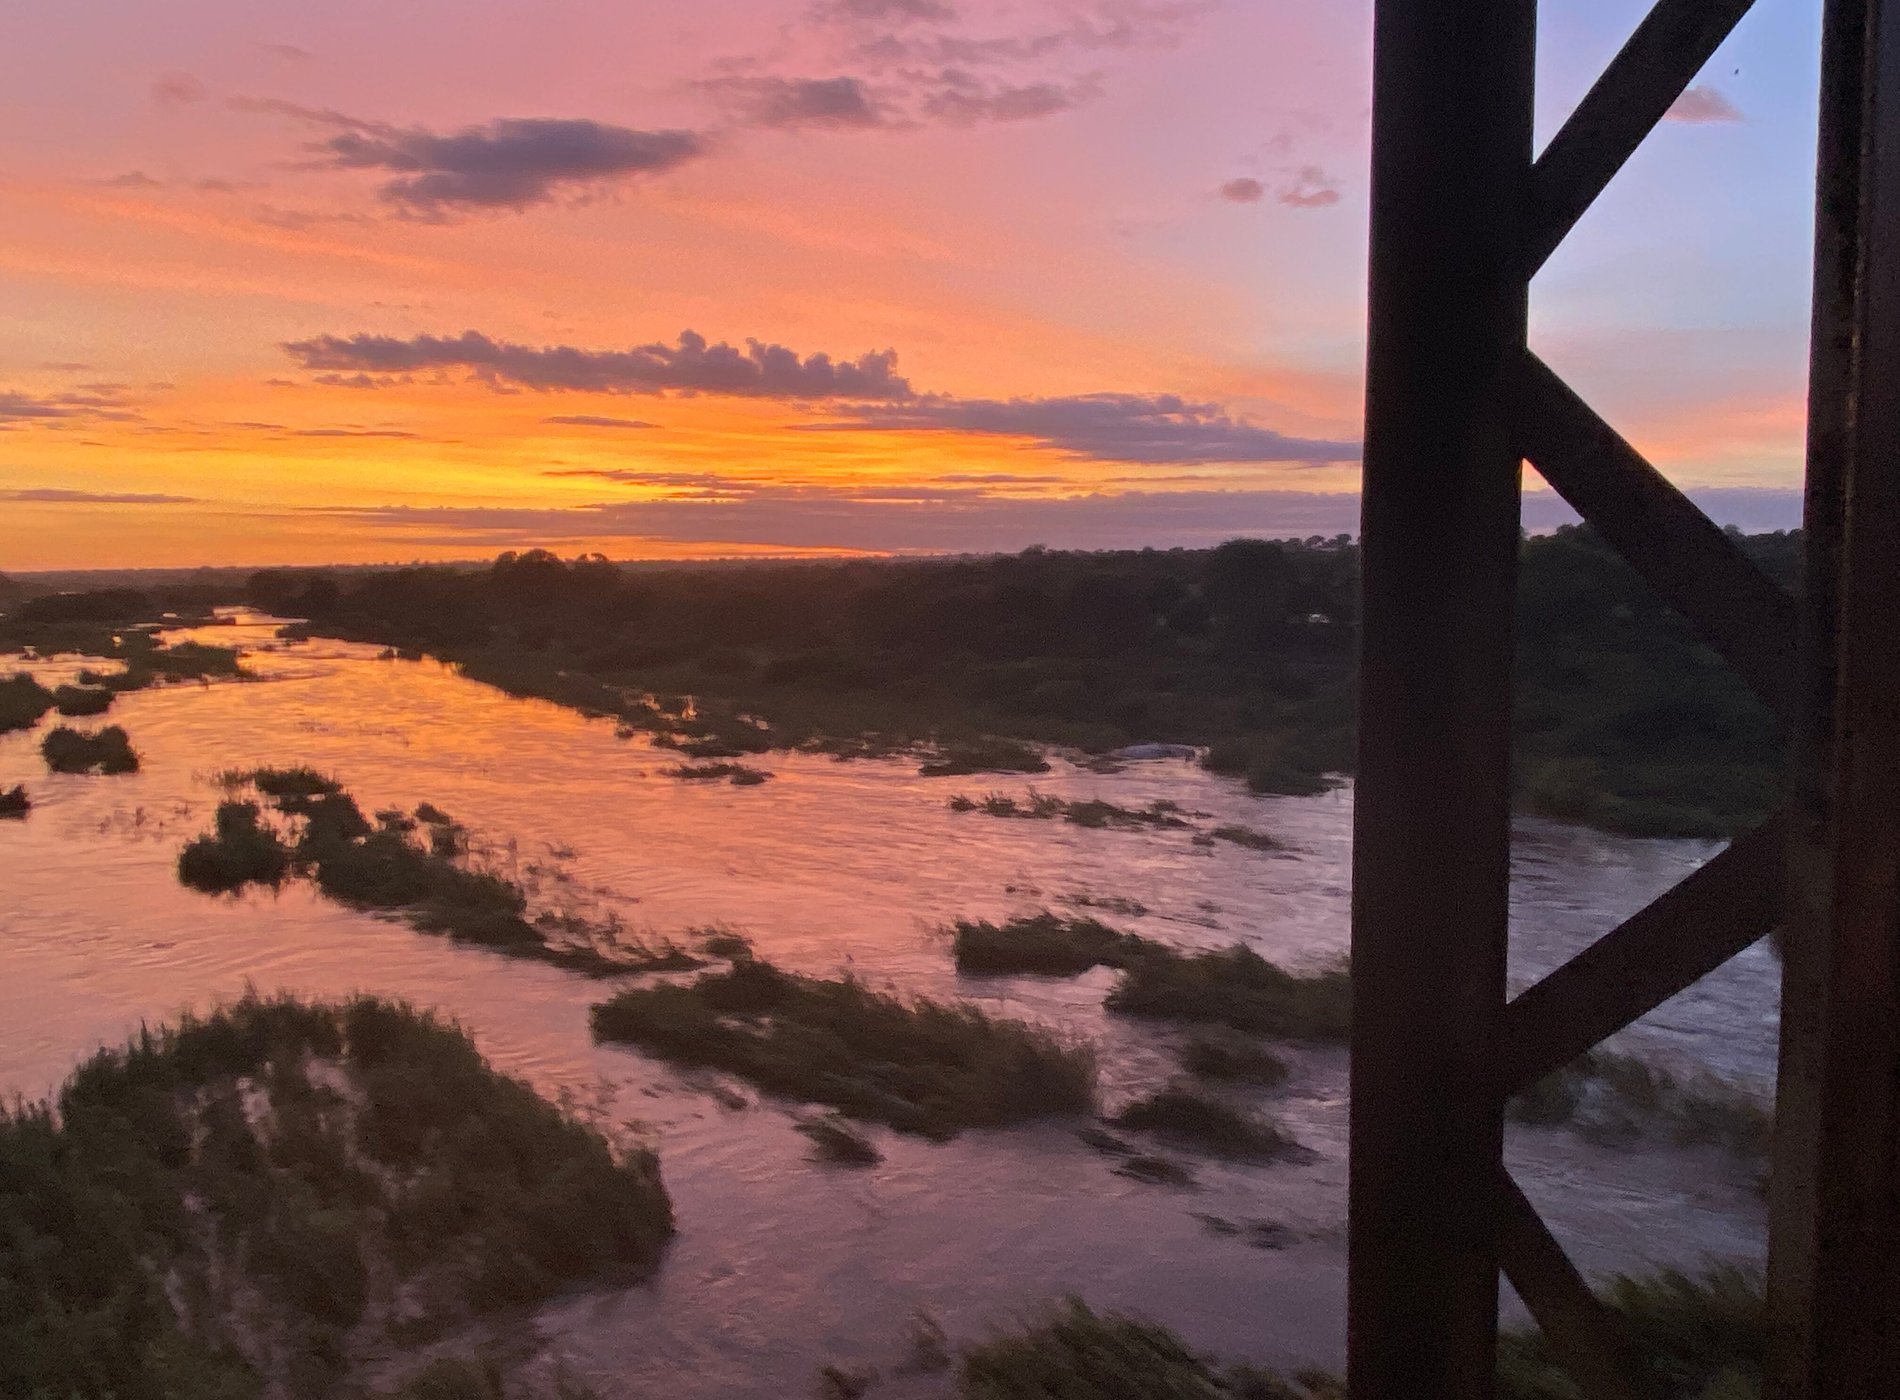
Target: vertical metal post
1834,1265
1452,132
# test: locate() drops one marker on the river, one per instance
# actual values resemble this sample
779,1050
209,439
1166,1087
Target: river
782,1265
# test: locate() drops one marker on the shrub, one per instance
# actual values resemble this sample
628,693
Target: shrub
79,700
71,751
14,802
241,851
921,1066
22,701
1238,988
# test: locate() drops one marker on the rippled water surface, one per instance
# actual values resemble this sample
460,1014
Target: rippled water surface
782,1265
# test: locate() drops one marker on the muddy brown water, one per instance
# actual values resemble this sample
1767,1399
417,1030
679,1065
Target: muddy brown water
781,1264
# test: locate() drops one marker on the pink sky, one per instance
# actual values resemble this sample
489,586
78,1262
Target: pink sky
281,282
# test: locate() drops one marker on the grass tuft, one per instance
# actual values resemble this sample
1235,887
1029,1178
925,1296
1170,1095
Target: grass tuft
1237,987
1618,1100
737,773
834,1140
1047,944
1233,1057
922,1066
1194,1119
14,802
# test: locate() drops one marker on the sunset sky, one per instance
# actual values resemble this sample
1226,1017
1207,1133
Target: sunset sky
284,282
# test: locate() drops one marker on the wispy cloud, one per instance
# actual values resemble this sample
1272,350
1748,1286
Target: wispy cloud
595,420
58,495
691,366
177,90
1703,104
790,104
89,401
1243,190
1310,188
1153,428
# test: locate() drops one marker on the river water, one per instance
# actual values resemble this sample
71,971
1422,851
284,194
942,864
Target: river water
782,1265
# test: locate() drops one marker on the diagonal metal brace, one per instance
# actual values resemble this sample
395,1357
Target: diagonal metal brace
1670,944
1682,554
1587,1335
1642,82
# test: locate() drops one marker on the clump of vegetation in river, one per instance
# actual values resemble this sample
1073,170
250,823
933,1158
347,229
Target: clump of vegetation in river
1076,1353
1089,812
240,851
80,701
22,701
922,1066
1618,1100
272,1193
107,750
1251,838
1044,943
14,802
1192,1118
1690,1339
834,1140
988,755
417,866
1237,987
1226,1055
723,942
736,773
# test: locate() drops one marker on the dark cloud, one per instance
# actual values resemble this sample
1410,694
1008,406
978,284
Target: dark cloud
1243,190
690,367
88,401
509,164
133,180
1310,189
1100,427
594,420
60,495
350,433
971,521
790,104
178,90
1702,104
